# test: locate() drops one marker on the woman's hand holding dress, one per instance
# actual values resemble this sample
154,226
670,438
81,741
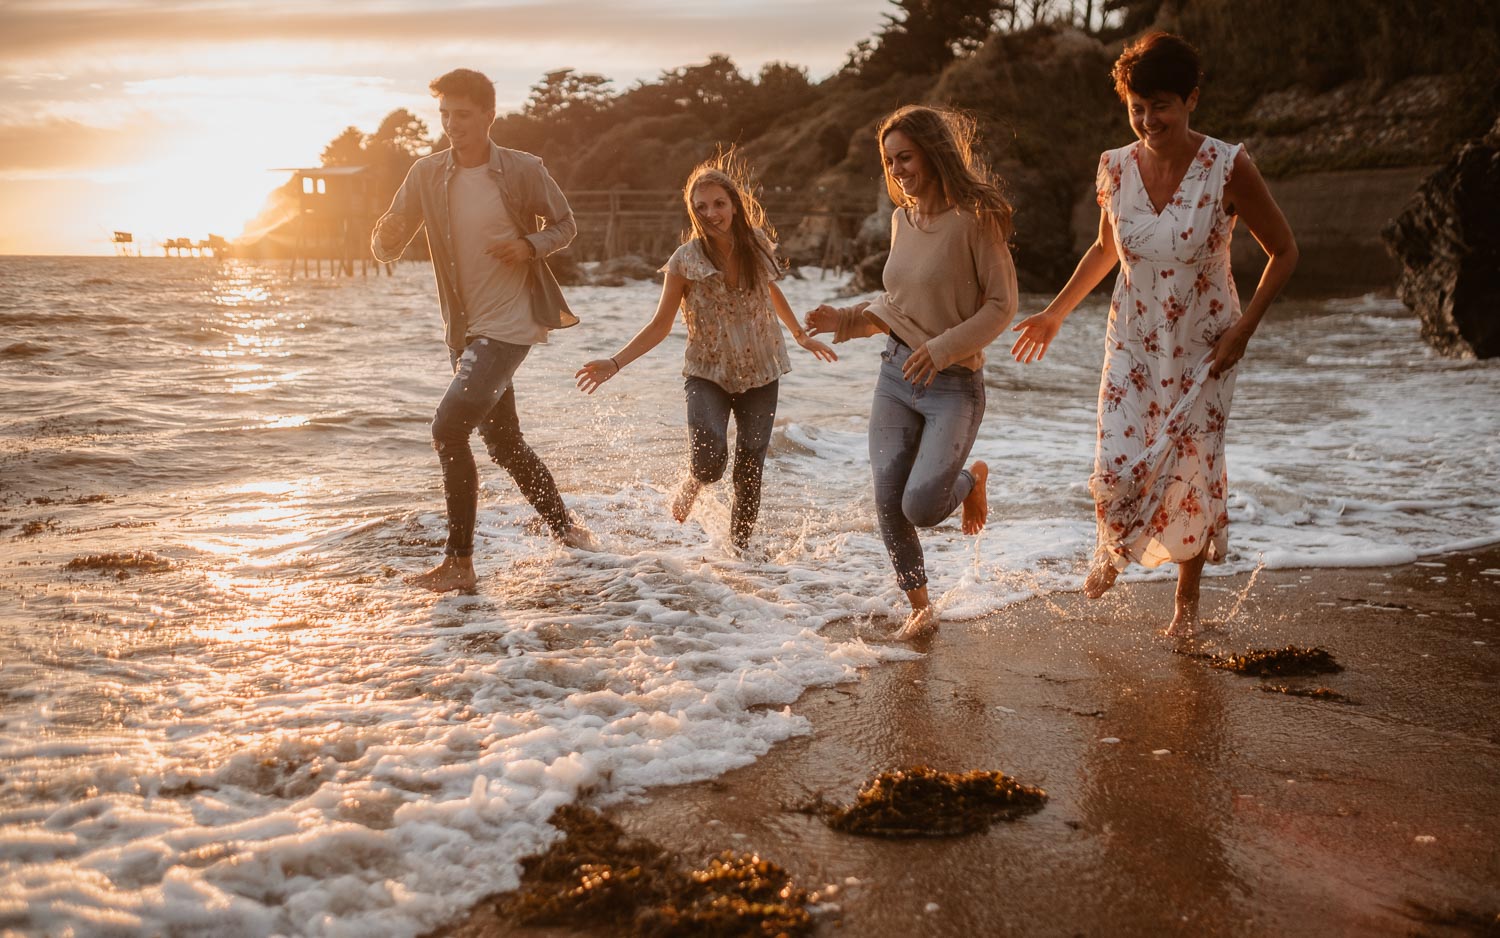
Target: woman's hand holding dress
1230,348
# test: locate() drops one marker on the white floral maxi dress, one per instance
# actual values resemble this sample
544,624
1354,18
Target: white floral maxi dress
1159,482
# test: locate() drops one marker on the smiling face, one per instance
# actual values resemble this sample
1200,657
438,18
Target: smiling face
714,208
1160,119
466,123
909,167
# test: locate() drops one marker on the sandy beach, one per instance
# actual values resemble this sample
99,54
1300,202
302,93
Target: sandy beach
1182,799
220,702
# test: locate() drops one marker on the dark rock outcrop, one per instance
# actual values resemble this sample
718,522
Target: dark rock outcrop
1448,242
869,274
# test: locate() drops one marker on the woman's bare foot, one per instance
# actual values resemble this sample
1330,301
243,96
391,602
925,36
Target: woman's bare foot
454,573
682,503
922,621
977,502
1100,579
1185,622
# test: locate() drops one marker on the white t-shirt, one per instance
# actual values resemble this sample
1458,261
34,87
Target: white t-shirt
494,293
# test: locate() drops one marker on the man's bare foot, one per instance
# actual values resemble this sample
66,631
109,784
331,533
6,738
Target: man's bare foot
977,502
454,573
1185,623
1100,579
922,621
682,502
580,538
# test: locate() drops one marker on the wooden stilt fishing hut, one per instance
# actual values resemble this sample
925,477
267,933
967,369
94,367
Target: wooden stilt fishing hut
336,210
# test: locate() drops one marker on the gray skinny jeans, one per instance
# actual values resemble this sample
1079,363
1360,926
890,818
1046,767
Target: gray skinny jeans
920,439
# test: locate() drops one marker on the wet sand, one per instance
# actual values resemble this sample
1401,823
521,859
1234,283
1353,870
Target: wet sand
1182,799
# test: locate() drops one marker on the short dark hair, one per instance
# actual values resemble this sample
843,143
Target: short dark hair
465,83
1157,62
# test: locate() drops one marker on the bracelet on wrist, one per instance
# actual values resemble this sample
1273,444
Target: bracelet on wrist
615,363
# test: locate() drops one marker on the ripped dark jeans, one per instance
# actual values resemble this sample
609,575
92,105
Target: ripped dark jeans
481,397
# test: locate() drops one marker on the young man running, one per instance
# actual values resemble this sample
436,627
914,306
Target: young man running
492,216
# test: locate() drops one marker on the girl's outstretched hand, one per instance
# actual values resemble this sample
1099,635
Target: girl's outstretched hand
817,348
1037,333
595,373
823,319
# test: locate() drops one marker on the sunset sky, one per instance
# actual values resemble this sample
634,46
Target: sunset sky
164,118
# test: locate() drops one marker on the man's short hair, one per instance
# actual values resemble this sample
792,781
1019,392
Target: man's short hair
465,83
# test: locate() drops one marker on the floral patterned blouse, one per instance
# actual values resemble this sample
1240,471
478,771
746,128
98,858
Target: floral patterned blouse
734,338
1159,482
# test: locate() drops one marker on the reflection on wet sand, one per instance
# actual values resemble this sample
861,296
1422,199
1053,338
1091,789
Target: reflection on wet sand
1155,798
1181,799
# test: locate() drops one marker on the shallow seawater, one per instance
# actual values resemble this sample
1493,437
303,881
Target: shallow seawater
222,712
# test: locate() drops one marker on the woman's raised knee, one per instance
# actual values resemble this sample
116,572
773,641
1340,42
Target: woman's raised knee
926,508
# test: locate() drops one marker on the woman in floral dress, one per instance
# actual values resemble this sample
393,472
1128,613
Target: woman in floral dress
1168,204
723,279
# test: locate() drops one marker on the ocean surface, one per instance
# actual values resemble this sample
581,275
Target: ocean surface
223,713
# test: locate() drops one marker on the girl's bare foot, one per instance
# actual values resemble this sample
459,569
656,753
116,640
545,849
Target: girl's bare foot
977,502
682,503
580,538
454,573
922,621
1100,579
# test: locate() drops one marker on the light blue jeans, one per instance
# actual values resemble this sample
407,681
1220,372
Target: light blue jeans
920,439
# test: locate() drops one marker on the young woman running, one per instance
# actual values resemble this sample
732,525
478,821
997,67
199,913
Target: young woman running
950,290
723,278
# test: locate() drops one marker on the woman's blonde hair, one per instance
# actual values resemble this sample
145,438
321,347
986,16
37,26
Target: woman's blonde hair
751,254
946,138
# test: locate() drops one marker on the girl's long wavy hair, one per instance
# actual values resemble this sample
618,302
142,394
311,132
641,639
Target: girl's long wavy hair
751,255
946,138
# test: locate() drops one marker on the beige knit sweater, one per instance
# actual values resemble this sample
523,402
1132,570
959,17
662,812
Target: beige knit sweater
948,285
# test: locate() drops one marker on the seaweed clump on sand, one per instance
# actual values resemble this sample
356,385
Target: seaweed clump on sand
1315,693
121,565
923,802
597,878
1278,662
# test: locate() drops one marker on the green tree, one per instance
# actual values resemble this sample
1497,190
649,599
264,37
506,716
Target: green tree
347,149
925,35
709,92
401,132
566,96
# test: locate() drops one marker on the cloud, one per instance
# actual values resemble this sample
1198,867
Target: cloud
58,145
771,29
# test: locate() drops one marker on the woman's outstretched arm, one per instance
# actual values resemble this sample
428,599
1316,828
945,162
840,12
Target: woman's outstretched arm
845,322
789,319
1038,331
1246,194
600,370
